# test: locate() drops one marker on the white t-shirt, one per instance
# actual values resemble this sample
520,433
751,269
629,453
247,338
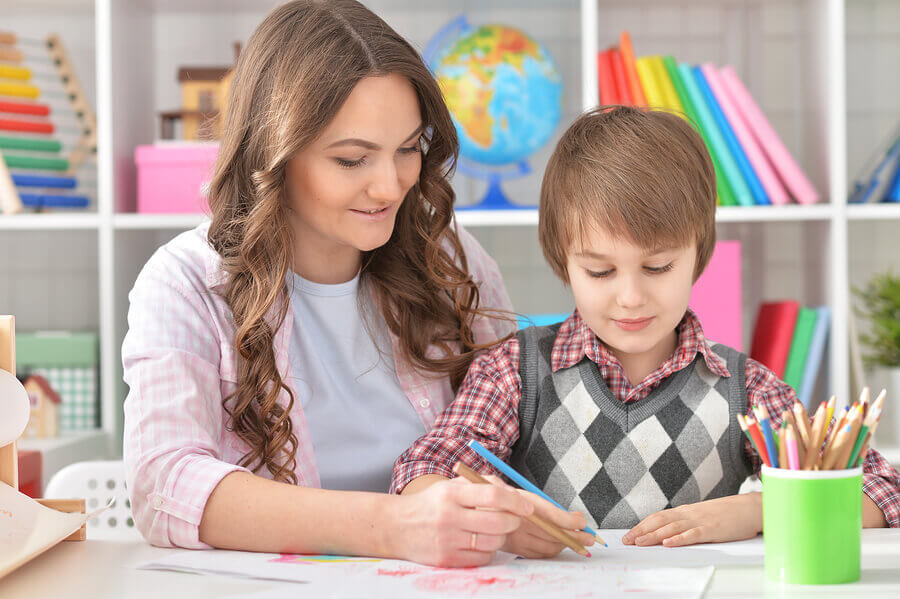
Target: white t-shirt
359,418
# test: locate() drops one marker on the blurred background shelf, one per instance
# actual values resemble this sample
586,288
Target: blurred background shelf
68,448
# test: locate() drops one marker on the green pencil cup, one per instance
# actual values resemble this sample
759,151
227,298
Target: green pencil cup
812,525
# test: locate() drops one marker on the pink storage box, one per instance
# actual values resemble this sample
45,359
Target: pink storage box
173,179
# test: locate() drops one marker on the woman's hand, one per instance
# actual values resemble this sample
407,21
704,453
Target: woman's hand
531,541
731,518
455,524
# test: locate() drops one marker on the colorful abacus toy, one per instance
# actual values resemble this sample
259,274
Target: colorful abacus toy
48,131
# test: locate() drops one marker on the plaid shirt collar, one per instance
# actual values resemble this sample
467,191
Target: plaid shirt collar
576,340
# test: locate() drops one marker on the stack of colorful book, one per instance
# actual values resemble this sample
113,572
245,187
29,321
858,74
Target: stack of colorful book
879,179
752,164
790,341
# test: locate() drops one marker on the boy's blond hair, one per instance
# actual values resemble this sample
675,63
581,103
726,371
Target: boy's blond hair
640,175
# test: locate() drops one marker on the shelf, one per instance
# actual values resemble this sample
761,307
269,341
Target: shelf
793,212
507,218
157,221
874,211
487,218
56,220
68,448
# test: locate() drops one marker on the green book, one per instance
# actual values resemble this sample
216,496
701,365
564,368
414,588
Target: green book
726,197
803,333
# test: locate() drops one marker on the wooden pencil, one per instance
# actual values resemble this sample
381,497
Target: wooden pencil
801,418
790,440
835,447
815,436
879,401
801,447
782,444
864,397
829,407
551,529
756,434
876,417
861,438
855,422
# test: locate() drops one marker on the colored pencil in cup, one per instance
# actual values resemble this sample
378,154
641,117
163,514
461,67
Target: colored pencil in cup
801,417
757,436
782,444
743,423
864,398
801,448
792,454
861,438
815,437
855,422
832,402
548,527
865,447
520,480
762,416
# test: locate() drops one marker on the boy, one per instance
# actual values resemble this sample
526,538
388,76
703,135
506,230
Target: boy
625,412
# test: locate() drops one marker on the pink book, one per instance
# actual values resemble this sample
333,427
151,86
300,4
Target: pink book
716,297
768,178
794,178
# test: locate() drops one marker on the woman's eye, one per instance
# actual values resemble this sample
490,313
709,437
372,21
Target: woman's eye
350,163
659,269
413,149
602,274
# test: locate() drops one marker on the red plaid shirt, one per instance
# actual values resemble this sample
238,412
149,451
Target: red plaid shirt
487,406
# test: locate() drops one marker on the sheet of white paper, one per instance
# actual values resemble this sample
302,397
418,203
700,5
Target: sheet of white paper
507,576
28,528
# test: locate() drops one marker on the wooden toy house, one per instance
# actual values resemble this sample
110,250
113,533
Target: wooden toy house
44,422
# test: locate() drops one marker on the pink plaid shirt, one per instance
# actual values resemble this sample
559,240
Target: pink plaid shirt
179,360
487,405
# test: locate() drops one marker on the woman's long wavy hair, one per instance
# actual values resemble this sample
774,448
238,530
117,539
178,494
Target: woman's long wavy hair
296,72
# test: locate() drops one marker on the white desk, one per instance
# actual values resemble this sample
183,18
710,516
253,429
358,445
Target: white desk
101,569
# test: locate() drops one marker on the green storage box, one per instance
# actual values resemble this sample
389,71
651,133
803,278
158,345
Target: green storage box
69,362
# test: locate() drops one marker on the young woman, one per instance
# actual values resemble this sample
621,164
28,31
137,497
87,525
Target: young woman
281,357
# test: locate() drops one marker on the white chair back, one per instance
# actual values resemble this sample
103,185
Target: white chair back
98,482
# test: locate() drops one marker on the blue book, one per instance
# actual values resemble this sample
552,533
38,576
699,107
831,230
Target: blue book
814,357
756,189
893,188
874,160
868,191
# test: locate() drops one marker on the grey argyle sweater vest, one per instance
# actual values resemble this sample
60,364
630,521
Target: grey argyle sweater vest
618,463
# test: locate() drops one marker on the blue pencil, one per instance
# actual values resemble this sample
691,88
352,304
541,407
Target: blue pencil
762,416
517,478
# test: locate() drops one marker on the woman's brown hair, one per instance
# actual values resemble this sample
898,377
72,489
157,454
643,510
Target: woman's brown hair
296,72
640,174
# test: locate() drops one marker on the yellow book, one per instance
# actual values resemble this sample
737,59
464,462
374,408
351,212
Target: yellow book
666,85
649,82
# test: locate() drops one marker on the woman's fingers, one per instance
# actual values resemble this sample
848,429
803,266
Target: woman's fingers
477,541
663,532
548,511
492,496
484,521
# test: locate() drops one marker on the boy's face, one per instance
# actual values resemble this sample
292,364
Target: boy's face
631,298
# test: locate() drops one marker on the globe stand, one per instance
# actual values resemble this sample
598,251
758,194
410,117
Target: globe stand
494,198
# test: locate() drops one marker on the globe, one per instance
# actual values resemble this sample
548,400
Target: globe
504,94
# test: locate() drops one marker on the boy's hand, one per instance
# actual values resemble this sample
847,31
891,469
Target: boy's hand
531,541
732,518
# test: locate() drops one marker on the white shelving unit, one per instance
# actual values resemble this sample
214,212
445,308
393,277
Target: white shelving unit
790,53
